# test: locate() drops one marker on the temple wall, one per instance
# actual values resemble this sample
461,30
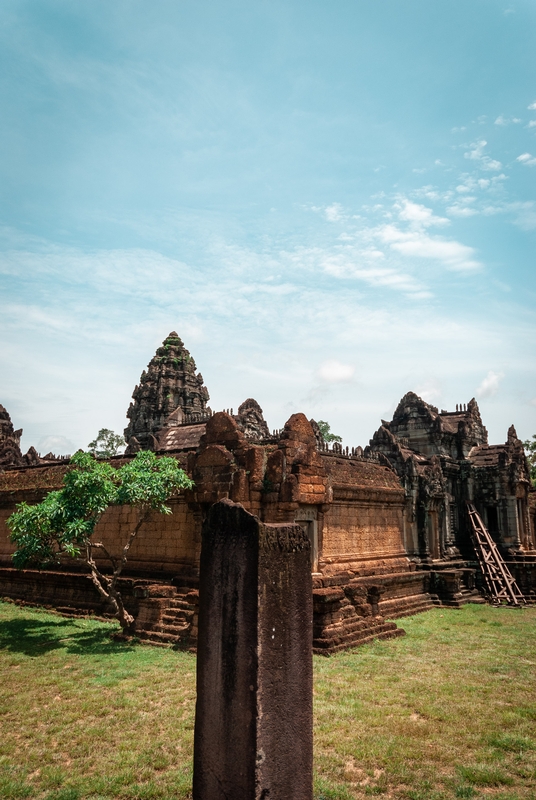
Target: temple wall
362,528
6,547
165,543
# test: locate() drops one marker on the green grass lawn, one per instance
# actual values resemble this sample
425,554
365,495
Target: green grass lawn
449,711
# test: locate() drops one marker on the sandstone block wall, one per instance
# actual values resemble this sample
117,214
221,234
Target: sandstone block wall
363,526
359,531
167,544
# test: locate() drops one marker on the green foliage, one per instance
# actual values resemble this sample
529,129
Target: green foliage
325,430
267,486
148,481
106,444
530,451
64,522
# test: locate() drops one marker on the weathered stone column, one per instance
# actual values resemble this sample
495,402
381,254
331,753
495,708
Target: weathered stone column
253,721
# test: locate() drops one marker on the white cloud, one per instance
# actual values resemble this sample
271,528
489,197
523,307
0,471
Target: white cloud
56,444
477,154
452,254
429,390
490,385
334,212
532,107
527,159
532,124
461,211
363,265
418,215
335,372
505,121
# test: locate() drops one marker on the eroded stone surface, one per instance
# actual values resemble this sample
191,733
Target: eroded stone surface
170,385
10,452
253,726
443,459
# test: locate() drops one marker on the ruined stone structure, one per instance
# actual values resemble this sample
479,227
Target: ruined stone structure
387,526
169,387
444,461
10,452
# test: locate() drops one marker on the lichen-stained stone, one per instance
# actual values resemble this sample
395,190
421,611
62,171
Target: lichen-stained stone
10,452
251,422
253,724
170,384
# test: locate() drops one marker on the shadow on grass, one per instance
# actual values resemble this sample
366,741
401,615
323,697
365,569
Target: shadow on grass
33,637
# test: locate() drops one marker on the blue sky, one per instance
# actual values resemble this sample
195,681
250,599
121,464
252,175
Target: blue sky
333,203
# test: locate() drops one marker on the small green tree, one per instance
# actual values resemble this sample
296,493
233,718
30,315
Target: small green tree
530,451
325,430
63,524
106,444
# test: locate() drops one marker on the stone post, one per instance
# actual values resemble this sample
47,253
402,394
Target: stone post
253,722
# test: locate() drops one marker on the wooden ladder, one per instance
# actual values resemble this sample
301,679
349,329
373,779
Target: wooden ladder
499,581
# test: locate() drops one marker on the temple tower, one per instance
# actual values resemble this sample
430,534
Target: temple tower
10,454
170,384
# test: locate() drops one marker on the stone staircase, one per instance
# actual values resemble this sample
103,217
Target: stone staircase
406,606
168,617
340,622
353,634
454,585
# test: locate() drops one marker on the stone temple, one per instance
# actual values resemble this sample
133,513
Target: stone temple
388,525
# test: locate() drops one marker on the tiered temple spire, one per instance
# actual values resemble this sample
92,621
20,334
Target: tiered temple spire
169,383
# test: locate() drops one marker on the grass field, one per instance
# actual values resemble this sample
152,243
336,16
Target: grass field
449,711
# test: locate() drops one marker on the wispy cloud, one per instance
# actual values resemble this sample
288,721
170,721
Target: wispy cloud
524,214
503,121
484,161
335,372
527,159
418,244
334,212
490,385
418,215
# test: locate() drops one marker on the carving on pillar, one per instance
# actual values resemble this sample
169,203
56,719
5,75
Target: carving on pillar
169,383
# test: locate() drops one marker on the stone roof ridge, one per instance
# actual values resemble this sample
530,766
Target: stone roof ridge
412,401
